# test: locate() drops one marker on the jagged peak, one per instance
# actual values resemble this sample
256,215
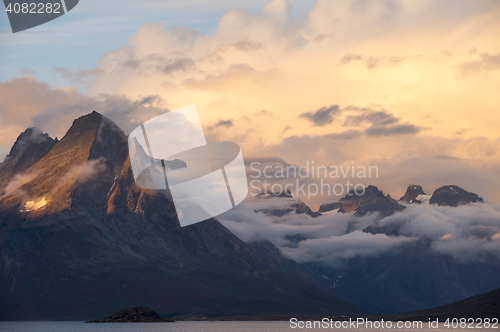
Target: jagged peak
411,194
83,123
31,135
452,195
389,197
370,191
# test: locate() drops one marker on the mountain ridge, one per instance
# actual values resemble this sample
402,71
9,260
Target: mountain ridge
100,244
409,276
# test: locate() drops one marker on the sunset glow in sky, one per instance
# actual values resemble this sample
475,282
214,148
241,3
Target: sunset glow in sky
409,86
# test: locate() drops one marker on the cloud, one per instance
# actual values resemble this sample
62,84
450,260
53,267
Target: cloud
287,64
430,161
348,134
17,181
79,75
245,45
341,248
346,59
372,62
323,116
26,102
400,129
467,232
24,71
383,123
83,173
483,62
263,113
126,113
22,98
223,123
323,239
374,117
401,55
173,65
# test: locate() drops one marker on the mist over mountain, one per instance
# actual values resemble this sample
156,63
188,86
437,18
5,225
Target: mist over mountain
78,239
372,200
383,255
30,146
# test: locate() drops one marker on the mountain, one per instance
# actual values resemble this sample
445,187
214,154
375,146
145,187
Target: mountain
486,305
78,240
372,200
410,276
453,196
412,193
329,206
287,205
30,146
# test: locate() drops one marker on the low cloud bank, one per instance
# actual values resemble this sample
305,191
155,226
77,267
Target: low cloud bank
467,232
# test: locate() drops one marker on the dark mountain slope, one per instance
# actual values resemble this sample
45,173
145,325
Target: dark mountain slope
453,196
411,277
486,305
30,146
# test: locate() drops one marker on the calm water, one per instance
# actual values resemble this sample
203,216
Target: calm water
180,327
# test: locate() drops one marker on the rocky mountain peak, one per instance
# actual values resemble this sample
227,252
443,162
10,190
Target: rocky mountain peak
29,137
372,200
292,205
389,197
452,195
83,124
83,164
412,192
30,146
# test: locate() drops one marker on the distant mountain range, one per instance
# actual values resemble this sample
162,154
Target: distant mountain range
410,276
78,240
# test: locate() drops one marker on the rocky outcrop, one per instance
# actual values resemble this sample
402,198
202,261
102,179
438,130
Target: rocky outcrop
330,206
30,146
294,205
132,315
372,200
412,193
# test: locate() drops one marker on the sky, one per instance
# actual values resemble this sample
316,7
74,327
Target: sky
408,86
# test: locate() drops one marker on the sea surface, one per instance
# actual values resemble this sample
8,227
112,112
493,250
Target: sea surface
186,327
